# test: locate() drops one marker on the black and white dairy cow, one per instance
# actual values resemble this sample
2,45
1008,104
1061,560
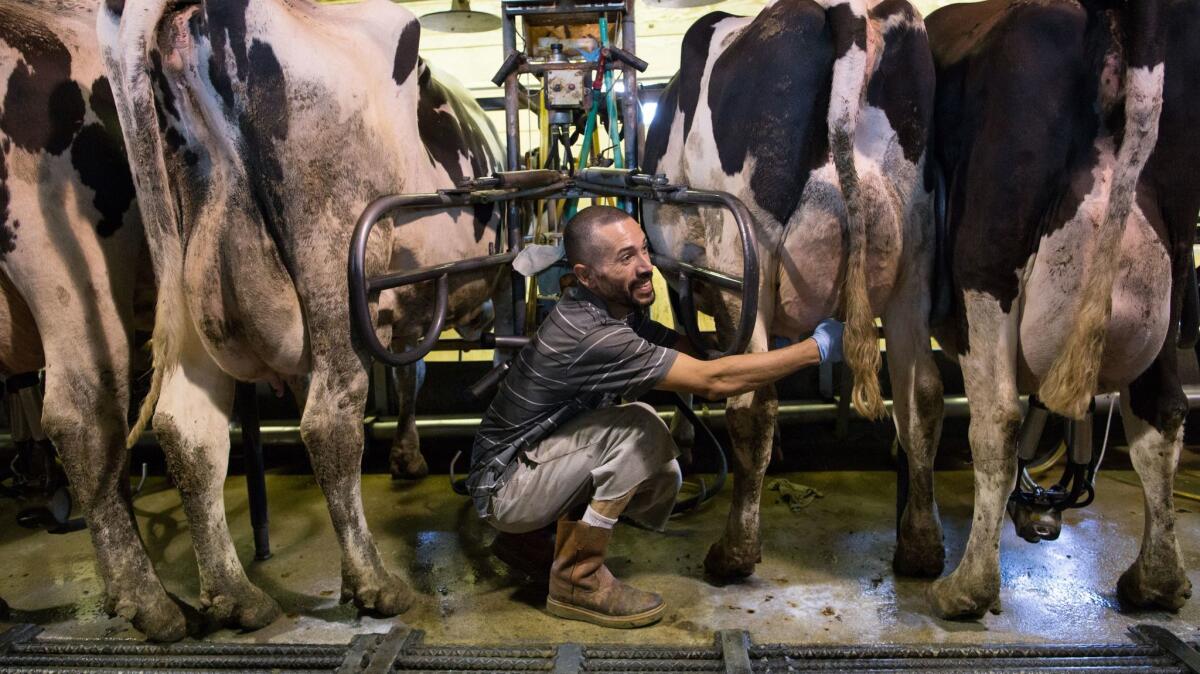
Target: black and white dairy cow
815,114
1072,205
257,132
71,251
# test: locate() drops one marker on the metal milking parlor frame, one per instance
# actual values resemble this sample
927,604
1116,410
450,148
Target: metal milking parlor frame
509,187
525,181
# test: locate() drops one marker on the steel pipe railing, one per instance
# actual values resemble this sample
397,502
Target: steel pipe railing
511,186
464,425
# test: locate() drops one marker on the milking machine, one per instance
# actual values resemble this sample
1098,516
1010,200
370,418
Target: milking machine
582,52
1036,511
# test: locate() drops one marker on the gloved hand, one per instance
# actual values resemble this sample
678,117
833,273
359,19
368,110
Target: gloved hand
828,336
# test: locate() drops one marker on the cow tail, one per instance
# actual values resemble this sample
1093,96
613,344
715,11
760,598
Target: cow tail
125,43
848,25
1068,387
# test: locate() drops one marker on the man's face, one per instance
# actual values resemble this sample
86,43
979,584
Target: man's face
621,273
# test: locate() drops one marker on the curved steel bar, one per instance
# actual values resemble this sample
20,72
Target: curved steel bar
404,278
750,268
428,341
360,310
361,287
681,268
538,184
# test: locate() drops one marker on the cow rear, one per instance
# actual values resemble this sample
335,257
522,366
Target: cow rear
825,145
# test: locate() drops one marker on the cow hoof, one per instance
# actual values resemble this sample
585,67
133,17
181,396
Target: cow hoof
722,564
249,608
952,601
408,466
389,597
167,626
156,615
1169,591
919,560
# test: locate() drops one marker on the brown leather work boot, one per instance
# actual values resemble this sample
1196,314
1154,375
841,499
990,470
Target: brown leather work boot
582,588
530,553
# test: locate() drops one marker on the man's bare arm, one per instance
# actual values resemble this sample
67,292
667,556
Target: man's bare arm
740,373
733,375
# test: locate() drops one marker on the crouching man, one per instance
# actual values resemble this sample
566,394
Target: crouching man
554,442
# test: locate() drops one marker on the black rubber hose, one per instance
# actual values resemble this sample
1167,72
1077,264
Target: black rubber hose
706,491
458,484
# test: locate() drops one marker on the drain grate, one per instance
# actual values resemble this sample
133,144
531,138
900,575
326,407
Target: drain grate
1053,658
22,649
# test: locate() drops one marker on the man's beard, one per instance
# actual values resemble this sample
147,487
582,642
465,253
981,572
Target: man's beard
624,295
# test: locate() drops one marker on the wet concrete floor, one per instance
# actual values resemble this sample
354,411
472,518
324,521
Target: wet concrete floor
825,577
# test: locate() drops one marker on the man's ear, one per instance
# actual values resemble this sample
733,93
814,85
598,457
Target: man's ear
583,274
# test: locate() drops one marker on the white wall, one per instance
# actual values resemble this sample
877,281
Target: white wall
474,57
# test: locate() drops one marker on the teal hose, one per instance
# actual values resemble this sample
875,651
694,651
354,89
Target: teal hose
611,99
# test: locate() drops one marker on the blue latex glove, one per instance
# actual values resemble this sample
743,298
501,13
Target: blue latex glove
828,336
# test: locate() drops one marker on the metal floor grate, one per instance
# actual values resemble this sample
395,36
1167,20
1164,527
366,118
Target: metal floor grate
1153,650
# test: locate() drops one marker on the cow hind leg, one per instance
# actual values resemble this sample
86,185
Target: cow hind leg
1157,578
332,430
192,425
751,421
405,458
989,373
84,415
917,411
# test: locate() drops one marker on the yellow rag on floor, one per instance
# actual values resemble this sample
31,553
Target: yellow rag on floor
796,496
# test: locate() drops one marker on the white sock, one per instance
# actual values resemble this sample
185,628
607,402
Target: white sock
595,519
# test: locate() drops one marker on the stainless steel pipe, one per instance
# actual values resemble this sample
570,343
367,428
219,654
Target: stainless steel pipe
465,425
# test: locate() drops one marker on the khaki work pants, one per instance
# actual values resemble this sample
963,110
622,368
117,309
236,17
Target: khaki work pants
601,454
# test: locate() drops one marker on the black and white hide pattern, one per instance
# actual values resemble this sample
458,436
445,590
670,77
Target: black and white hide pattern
71,252
258,132
451,127
1067,133
815,114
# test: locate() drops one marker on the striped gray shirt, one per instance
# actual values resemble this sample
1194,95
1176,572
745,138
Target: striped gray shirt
581,359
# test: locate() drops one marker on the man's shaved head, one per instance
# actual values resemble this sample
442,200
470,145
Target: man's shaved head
579,239
609,255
